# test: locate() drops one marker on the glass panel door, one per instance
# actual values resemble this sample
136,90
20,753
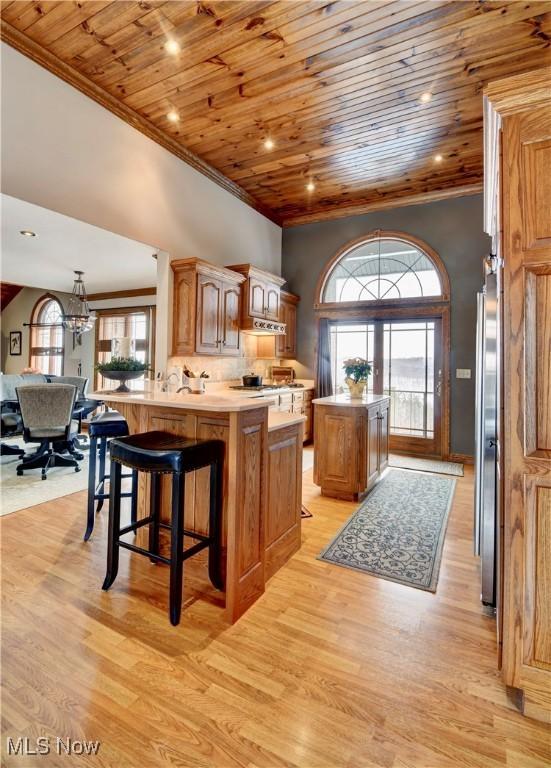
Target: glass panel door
354,340
406,358
409,377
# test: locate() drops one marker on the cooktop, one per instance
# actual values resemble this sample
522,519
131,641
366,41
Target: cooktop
267,386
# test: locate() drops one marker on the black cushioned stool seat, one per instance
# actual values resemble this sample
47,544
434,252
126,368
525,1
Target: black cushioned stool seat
103,427
108,424
161,453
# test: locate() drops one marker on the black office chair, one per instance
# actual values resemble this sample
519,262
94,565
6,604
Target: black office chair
11,425
46,413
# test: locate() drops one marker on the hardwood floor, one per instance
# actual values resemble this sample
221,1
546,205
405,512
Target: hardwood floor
329,669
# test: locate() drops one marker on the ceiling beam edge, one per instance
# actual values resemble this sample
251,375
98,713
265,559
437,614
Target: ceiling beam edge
53,64
382,205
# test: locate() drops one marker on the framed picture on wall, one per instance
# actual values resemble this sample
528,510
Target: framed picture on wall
15,342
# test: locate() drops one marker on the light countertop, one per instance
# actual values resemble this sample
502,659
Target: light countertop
347,401
278,420
218,402
218,397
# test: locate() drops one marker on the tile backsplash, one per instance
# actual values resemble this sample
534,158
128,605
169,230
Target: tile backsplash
230,368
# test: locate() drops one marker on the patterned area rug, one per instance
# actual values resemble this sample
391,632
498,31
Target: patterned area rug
398,531
426,465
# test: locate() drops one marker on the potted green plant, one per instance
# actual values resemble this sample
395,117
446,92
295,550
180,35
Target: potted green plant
357,369
122,369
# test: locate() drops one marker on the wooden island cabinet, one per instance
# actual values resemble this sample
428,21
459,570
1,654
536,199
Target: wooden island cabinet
350,444
262,481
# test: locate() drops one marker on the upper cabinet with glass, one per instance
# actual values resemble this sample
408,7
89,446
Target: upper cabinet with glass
384,267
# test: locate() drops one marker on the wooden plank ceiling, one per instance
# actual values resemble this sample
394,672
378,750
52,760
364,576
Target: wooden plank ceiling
337,87
7,293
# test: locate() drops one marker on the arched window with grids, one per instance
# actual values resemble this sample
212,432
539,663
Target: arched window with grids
385,297
384,267
47,336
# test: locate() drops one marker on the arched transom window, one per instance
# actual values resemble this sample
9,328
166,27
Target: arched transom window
47,337
382,268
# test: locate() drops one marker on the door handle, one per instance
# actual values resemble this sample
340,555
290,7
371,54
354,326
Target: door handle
439,384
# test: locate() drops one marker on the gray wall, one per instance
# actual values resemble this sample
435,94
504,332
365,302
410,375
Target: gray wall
454,229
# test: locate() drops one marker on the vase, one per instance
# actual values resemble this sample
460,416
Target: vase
356,388
123,377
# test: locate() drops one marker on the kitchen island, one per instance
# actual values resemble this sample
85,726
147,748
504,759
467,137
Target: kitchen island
262,479
350,444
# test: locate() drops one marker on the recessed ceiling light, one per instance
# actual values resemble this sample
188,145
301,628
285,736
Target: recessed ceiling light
269,144
173,47
438,158
310,186
173,116
27,233
425,97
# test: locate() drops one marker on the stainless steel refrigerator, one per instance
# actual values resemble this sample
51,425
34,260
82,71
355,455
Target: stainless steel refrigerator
487,483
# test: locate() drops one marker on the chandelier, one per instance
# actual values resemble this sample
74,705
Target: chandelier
78,317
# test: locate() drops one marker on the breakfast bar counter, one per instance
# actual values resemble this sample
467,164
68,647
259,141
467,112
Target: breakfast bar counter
262,479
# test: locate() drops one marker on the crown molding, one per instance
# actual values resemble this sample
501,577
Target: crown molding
519,92
382,205
56,66
130,293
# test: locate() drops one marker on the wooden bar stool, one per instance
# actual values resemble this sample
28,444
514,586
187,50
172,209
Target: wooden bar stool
102,428
161,453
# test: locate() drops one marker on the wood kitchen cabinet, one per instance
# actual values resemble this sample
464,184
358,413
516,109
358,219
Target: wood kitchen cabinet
261,297
372,445
298,401
282,346
286,345
283,522
309,413
350,444
206,309
260,308
518,217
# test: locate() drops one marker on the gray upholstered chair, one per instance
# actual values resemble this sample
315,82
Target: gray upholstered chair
10,424
46,412
80,382
84,406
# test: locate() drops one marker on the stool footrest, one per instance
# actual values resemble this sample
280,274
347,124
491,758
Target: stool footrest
135,526
98,495
194,549
106,477
191,534
140,551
